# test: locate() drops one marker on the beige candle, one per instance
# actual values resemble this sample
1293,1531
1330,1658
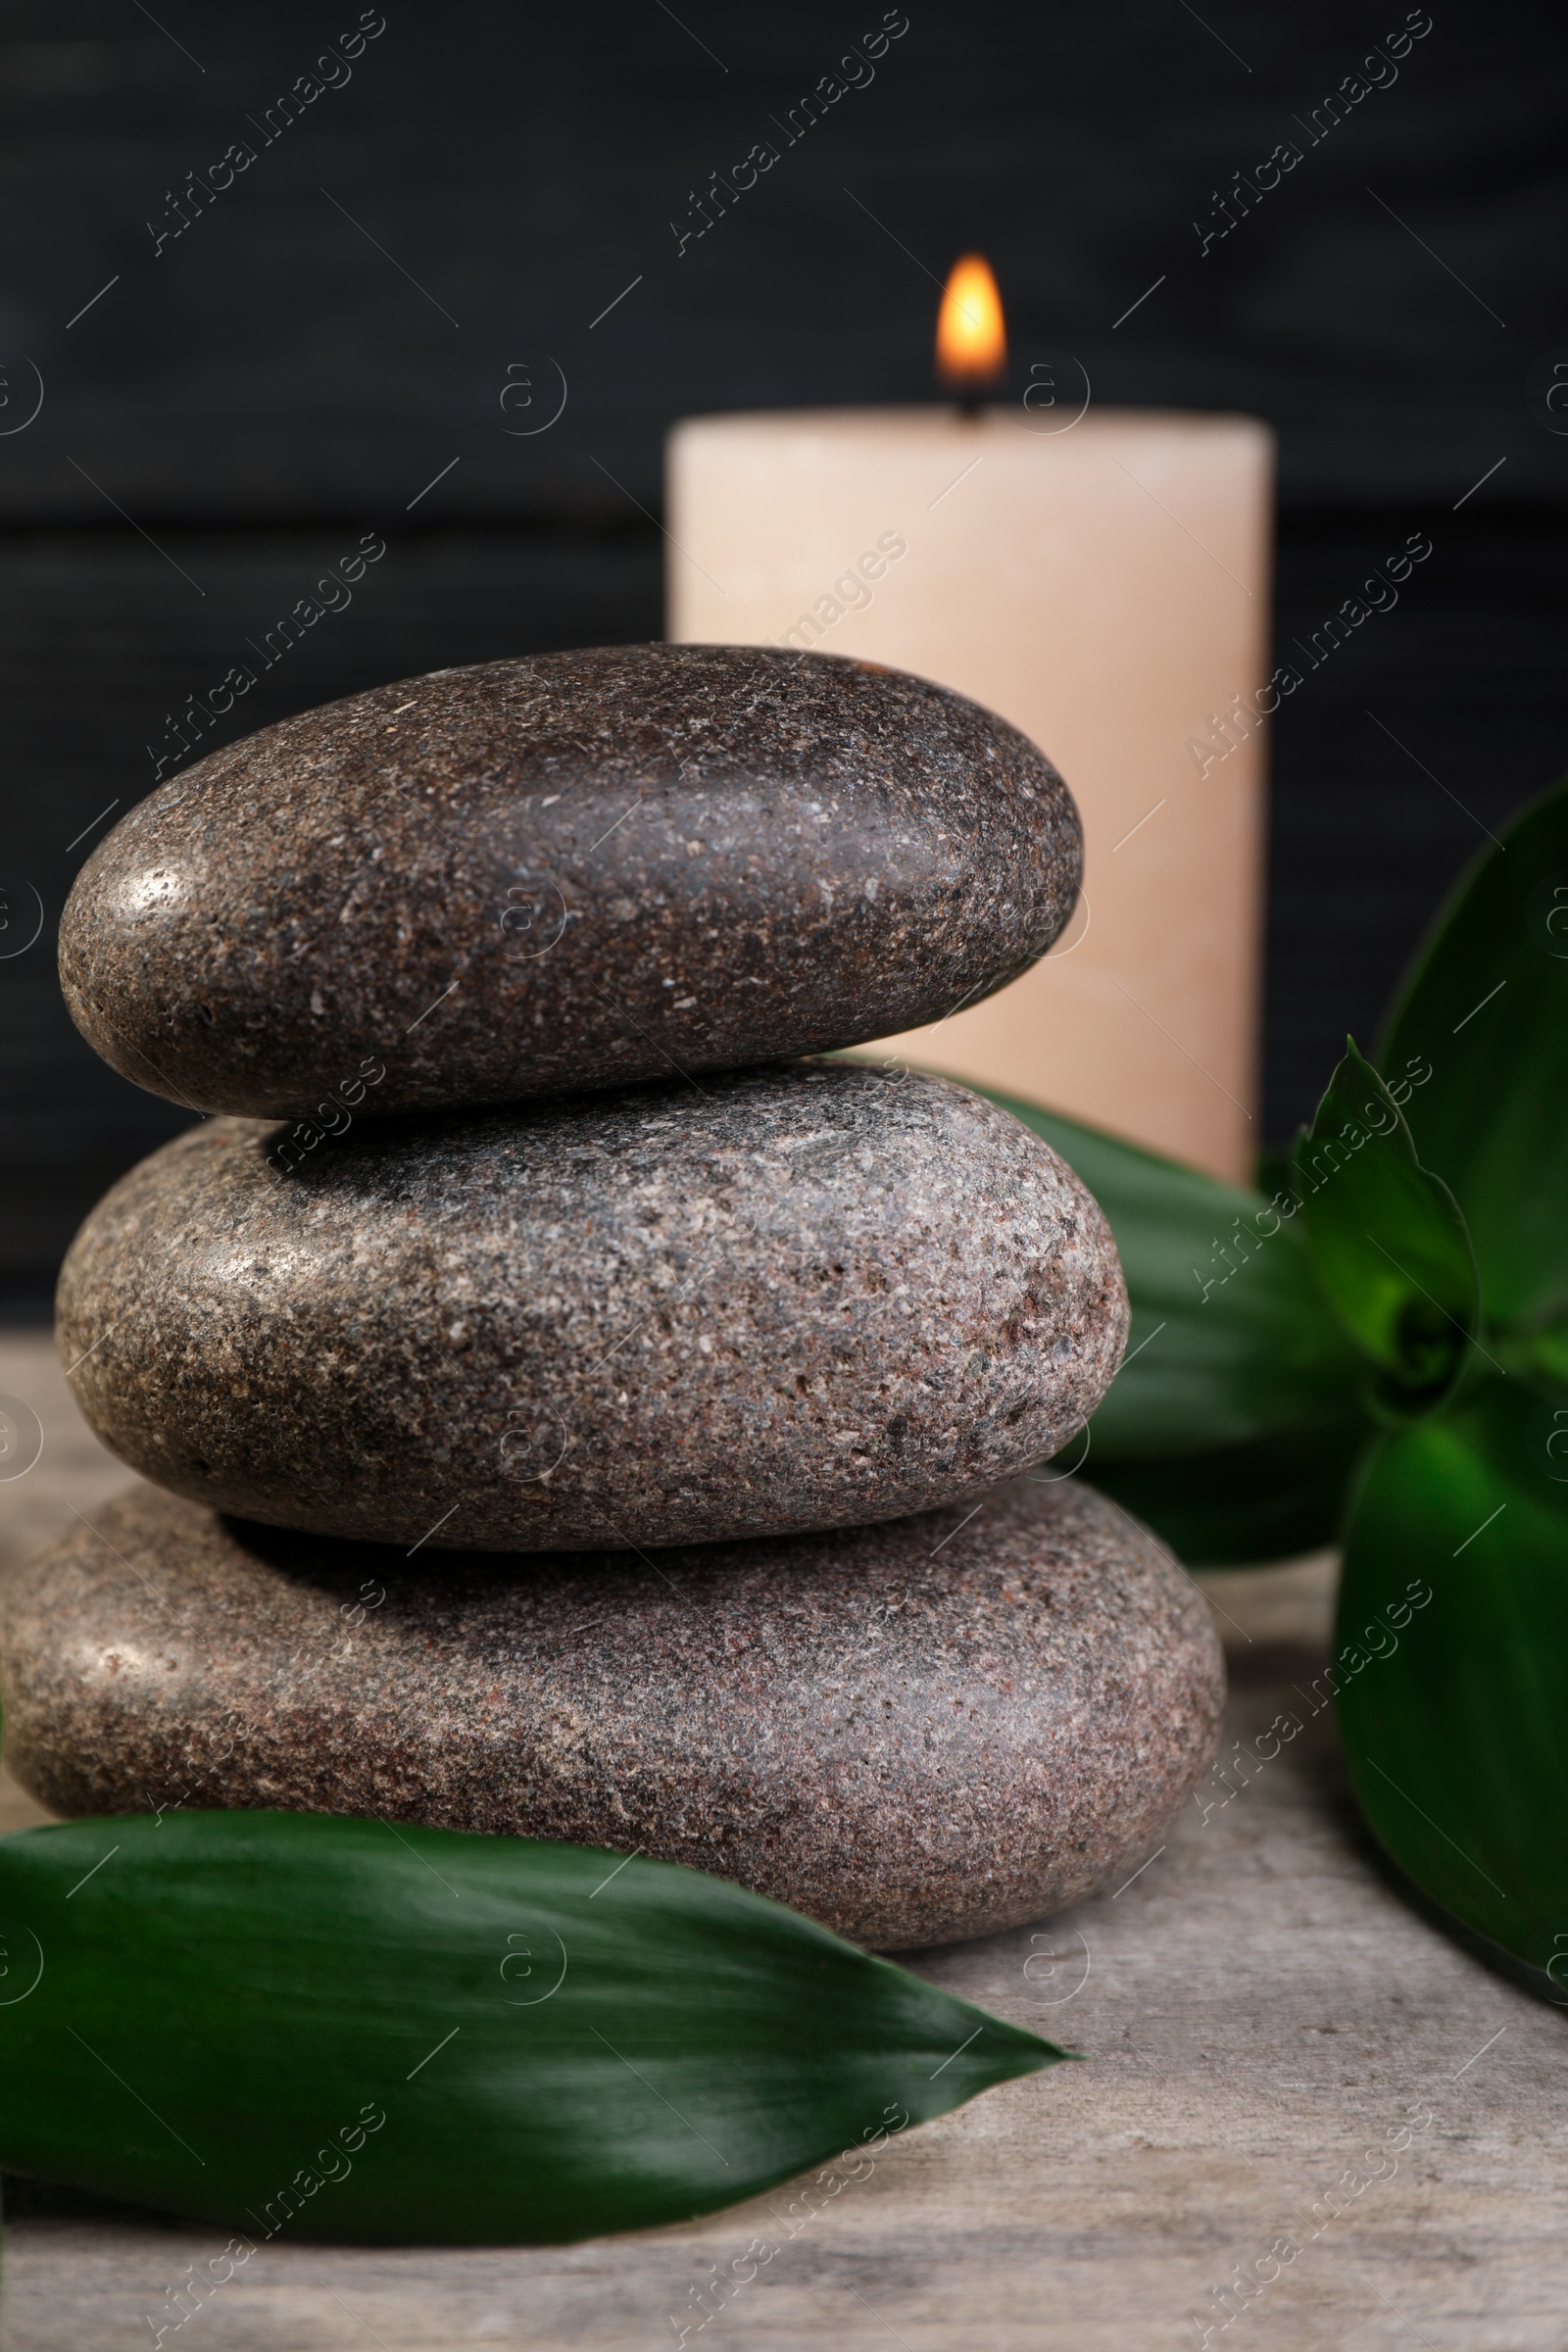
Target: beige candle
1105,588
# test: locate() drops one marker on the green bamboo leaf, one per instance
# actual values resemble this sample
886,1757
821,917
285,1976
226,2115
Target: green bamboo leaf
332,2028
1537,1352
1452,1656
1387,1238
1232,1338
1271,1498
1479,1033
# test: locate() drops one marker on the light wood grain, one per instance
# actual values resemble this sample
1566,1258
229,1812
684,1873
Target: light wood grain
1255,2009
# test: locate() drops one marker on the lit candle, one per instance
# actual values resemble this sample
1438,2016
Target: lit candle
1100,579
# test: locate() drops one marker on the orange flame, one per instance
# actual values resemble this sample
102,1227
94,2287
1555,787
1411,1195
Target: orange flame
971,337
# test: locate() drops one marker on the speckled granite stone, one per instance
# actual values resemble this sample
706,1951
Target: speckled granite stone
914,1732
789,1299
565,872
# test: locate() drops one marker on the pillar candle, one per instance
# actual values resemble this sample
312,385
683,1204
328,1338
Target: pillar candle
1105,588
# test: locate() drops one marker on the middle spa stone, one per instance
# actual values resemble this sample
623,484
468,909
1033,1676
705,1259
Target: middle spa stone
797,1297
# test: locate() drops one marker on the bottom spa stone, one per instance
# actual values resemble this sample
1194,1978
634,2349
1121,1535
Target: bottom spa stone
932,1728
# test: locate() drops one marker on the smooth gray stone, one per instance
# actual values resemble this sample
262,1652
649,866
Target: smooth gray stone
929,1729
788,1298
565,872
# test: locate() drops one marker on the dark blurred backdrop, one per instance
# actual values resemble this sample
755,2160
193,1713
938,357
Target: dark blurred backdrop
232,402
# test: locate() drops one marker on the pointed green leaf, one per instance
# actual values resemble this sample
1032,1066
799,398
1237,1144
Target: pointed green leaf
1387,1238
1231,1339
325,2028
1451,1658
1479,1038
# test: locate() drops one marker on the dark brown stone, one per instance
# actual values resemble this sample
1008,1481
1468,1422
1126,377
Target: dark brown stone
565,872
788,1299
914,1732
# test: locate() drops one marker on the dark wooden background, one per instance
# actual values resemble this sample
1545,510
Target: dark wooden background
238,407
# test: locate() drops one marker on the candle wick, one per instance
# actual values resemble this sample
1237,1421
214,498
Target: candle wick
971,409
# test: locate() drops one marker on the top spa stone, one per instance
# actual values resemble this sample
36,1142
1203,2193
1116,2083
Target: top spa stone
559,873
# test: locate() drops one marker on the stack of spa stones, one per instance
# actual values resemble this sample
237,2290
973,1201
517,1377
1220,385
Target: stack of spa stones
569,1410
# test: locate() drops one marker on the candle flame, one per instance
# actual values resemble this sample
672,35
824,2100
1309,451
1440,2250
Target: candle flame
972,336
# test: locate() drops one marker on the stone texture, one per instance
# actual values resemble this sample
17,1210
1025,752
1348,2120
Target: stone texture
914,1732
565,872
788,1299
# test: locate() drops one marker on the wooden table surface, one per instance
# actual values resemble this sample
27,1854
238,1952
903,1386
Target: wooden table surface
1260,2015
